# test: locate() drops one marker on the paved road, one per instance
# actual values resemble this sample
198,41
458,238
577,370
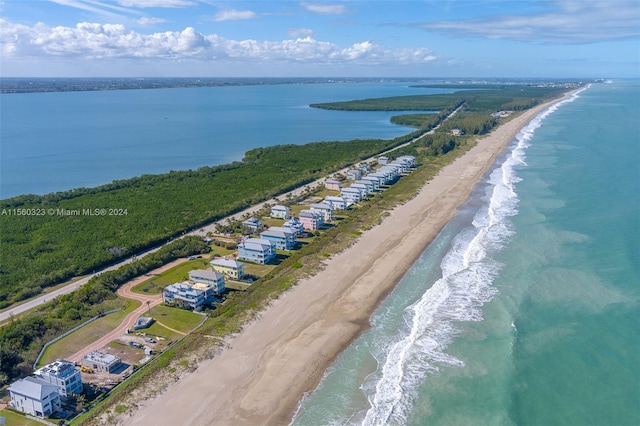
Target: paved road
200,232
32,303
129,320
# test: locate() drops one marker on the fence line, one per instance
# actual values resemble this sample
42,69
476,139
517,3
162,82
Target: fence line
46,345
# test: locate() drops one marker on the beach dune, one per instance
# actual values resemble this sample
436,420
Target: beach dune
261,377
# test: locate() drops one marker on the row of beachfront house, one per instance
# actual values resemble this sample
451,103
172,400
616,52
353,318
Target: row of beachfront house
374,181
41,394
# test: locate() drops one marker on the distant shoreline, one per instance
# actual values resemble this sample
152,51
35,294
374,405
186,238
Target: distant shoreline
20,85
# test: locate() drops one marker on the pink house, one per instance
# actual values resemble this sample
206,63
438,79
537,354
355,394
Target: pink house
332,184
311,220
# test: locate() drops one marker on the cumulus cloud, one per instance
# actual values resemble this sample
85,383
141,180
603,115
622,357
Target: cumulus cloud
99,41
325,9
233,15
564,22
300,32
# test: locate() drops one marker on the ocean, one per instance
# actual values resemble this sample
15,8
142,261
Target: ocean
526,308
64,140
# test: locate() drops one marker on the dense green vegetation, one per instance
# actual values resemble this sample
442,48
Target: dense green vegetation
477,98
40,251
22,338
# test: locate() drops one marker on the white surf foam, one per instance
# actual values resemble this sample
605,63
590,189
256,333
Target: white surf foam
468,272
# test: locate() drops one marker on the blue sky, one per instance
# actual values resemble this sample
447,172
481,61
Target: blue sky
431,38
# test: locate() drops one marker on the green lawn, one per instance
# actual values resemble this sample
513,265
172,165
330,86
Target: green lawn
235,285
220,251
178,273
14,419
257,270
86,335
178,319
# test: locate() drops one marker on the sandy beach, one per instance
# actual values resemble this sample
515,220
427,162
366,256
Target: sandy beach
260,378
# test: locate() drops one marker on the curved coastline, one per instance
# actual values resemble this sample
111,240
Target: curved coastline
262,375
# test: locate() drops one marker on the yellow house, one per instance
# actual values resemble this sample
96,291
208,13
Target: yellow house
230,268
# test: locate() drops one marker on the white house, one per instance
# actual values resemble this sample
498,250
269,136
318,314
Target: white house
383,160
354,174
364,190
213,279
252,224
337,203
34,396
188,295
230,268
370,186
257,250
283,238
325,209
351,195
409,159
63,374
295,225
280,212
374,180
403,166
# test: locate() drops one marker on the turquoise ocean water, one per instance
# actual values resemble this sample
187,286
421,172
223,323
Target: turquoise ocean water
526,309
64,140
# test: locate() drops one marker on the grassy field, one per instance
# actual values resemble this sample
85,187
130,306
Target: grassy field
178,319
86,335
179,273
235,285
257,270
14,419
219,250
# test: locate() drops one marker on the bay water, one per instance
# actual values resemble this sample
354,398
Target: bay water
57,141
526,308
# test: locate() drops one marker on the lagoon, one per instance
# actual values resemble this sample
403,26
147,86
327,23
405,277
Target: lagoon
63,140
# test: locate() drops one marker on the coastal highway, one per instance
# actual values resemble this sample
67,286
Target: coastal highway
37,301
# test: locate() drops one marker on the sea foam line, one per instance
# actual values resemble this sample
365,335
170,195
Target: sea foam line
468,272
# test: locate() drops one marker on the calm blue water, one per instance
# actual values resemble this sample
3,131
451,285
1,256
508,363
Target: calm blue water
526,309
58,141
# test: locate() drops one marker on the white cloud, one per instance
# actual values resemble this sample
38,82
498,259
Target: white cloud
156,3
300,32
566,22
325,9
233,15
99,41
145,20
96,7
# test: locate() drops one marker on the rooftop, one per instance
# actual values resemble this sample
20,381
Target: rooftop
58,368
102,358
205,274
33,388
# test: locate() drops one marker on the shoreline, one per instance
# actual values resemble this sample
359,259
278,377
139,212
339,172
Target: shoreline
263,374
